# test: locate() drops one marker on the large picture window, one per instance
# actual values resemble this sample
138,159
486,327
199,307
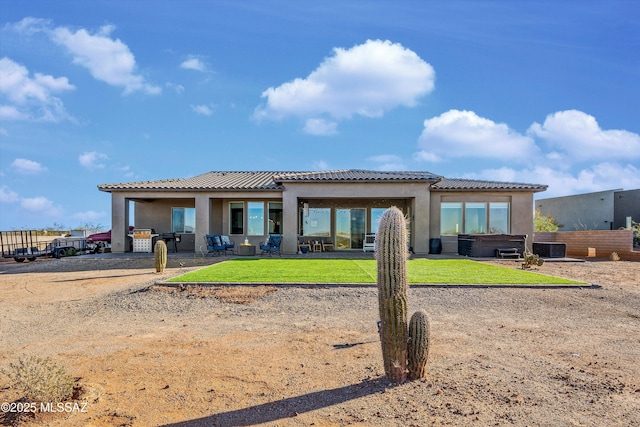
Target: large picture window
255,218
450,218
499,218
183,220
316,223
475,218
237,217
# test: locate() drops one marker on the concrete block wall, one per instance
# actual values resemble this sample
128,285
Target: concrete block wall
603,241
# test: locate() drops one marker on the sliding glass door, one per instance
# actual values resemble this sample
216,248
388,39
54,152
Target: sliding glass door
350,228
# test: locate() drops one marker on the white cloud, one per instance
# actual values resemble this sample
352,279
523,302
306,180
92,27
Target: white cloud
597,177
108,60
7,195
27,167
388,162
320,127
31,97
367,80
30,25
456,134
88,216
178,88
320,165
203,110
8,112
427,157
193,63
40,205
92,160
579,137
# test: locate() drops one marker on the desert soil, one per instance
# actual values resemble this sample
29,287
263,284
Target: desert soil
145,355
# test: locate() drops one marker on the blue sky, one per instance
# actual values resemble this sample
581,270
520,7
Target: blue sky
94,92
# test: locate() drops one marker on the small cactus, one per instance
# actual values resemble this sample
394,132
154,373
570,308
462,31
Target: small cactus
418,345
160,250
391,256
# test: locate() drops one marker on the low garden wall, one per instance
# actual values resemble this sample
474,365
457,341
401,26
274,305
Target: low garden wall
593,243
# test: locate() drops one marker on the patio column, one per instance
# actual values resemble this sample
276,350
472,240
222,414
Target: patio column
421,206
119,223
203,215
289,223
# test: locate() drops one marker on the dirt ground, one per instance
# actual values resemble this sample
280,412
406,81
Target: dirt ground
144,355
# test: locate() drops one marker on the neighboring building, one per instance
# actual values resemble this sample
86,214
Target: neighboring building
626,204
602,210
342,205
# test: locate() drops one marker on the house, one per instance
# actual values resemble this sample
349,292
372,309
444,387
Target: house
601,210
341,205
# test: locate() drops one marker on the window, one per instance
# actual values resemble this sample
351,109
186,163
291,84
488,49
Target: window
376,214
255,219
450,218
183,220
317,223
475,218
275,218
499,218
237,217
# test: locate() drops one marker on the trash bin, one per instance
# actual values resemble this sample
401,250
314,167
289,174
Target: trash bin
435,246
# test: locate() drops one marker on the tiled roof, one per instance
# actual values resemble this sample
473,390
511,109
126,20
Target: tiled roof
272,180
265,180
453,184
355,175
206,181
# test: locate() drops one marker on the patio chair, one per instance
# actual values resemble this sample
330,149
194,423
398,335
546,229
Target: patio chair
228,244
369,243
327,244
302,243
272,245
214,244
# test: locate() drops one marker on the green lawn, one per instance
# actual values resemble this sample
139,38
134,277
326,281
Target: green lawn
242,270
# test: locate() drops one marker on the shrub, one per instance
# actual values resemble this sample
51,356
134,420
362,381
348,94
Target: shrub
40,380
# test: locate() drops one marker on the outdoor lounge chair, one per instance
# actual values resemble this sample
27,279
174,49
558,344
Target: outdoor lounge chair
272,245
228,244
327,244
369,243
214,244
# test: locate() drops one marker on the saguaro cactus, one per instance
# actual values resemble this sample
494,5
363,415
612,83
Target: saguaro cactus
418,345
160,250
391,256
